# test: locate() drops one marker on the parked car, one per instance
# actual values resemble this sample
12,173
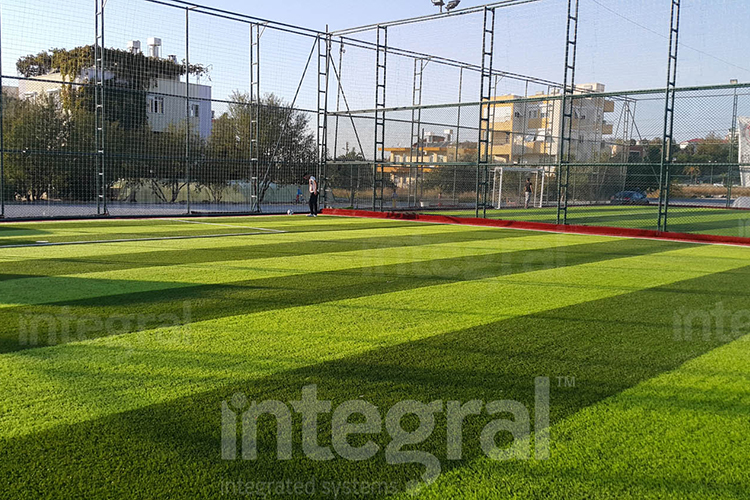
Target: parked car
629,198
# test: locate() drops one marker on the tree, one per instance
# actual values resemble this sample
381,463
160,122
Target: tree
286,147
40,132
448,179
693,171
127,78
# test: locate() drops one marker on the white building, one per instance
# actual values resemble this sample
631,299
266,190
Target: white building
165,99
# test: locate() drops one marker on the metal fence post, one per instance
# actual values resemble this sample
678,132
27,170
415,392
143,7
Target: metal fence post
100,122
187,106
732,138
665,175
2,131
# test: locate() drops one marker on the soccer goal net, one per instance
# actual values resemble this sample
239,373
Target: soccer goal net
510,186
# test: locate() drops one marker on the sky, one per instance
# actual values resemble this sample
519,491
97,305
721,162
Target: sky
622,44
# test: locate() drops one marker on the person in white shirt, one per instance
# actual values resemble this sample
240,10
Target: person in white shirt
313,185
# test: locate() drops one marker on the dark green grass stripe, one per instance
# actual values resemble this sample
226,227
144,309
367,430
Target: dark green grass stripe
142,309
133,260
135,240
6,277
107,237
173,449
115,230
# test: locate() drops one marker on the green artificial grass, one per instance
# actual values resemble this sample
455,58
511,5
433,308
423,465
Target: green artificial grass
148,339
720,222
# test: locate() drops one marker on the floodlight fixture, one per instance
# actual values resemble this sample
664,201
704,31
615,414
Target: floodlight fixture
452,5
438,3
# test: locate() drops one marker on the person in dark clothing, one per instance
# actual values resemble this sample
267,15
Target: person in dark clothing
527,193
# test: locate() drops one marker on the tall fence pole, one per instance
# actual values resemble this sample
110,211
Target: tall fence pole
100,119
732,138
187,106
566,123
378,182
2,131
485,98
665,177
324,54
255,33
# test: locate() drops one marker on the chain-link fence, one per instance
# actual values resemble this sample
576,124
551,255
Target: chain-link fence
145,107
154,108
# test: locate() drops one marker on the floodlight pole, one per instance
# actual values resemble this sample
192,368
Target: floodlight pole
668,139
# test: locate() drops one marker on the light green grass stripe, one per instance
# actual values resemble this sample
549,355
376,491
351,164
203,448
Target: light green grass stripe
72,383
388,229
44,290
684,434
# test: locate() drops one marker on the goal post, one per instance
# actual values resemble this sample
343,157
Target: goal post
510,183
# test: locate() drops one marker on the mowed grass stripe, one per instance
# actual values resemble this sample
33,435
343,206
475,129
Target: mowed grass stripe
313,230
55,232
85,380
257,265
682,435
25,327
243,249
172,449
682,219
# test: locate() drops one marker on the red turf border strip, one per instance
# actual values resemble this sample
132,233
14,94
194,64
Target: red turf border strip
543,226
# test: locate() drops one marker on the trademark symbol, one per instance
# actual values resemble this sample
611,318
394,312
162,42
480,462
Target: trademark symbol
566,381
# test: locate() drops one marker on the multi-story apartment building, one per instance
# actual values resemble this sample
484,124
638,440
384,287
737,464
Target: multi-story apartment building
527,131
165,98
523,131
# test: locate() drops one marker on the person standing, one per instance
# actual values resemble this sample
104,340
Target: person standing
312,183
527,193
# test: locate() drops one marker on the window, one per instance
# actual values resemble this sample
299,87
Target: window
502,114
195,110
155,105
534,113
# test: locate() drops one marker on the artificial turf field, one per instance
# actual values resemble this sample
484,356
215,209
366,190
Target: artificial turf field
152,335
682,219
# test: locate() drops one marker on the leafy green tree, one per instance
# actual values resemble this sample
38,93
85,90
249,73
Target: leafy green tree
286,147
127,78
447,178
40,132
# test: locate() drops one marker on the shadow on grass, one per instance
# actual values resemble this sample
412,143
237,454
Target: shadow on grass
128,311
173,449
9,235
135,260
